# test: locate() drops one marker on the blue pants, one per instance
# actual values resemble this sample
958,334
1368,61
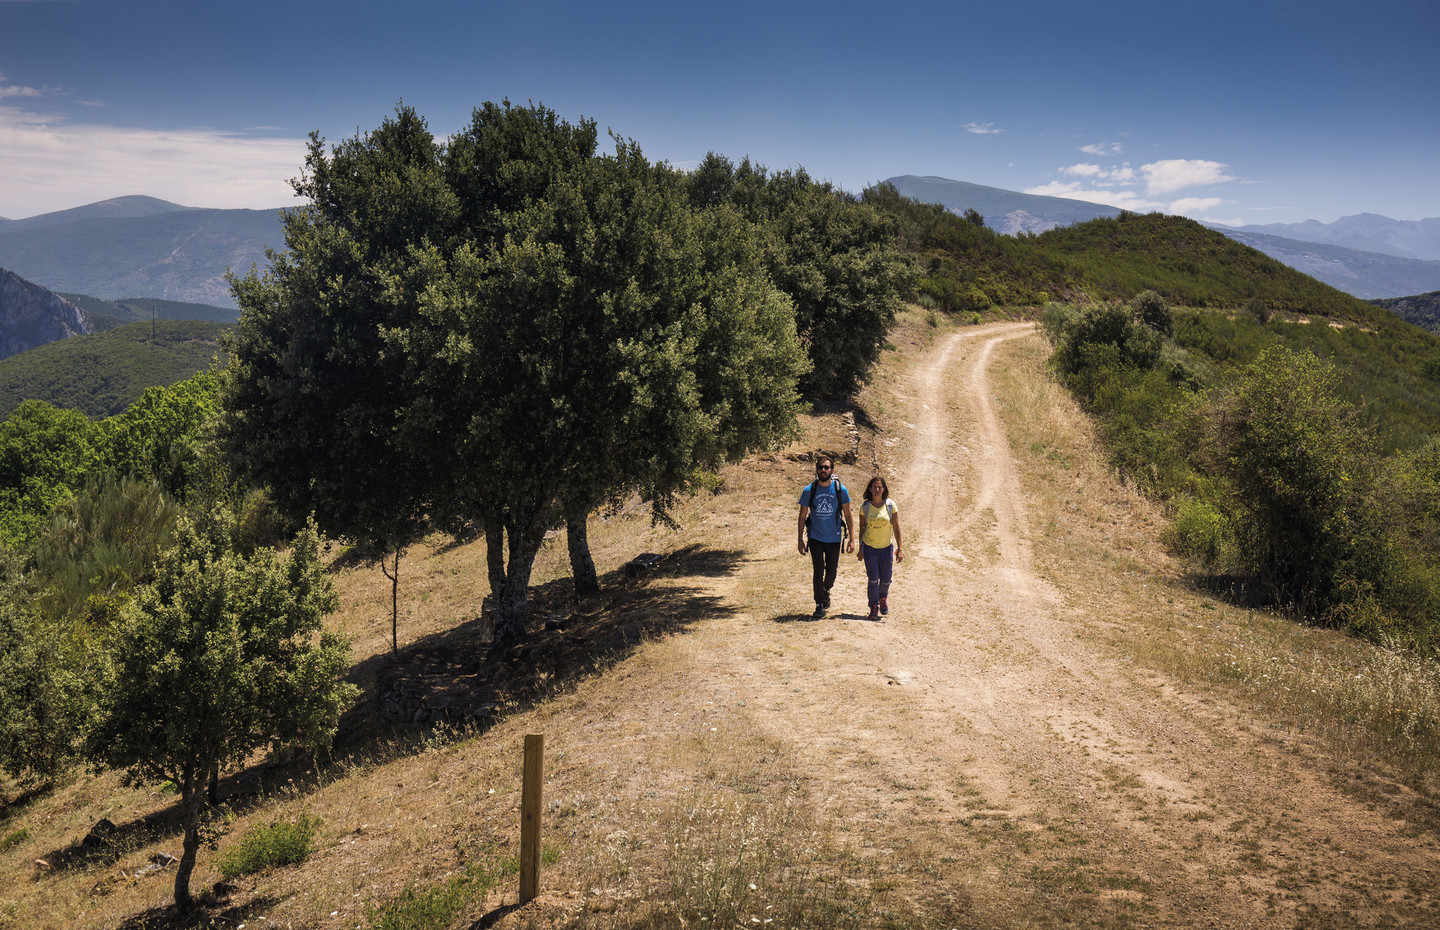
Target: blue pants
878,565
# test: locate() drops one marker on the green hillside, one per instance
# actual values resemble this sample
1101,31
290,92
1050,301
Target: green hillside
1423,310
102,374
966,266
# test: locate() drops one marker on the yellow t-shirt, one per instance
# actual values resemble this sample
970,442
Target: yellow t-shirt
877,533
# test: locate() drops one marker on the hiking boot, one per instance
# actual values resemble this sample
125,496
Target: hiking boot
884,607
874,613
819,611
825,604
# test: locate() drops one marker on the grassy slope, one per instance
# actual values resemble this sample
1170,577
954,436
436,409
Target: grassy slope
104,373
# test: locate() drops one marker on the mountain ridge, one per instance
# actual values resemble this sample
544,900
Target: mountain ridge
1365,274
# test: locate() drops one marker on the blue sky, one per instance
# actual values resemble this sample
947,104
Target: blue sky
1239,112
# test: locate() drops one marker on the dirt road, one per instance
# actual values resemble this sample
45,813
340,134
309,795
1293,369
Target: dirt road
981,732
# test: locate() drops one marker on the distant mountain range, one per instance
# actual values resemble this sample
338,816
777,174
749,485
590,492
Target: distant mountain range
140,247
1367,256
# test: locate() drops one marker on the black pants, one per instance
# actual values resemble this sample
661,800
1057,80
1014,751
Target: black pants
826,559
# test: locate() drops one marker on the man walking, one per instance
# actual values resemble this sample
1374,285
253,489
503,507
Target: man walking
821,504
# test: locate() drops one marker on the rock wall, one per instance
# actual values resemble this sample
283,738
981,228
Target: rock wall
31,316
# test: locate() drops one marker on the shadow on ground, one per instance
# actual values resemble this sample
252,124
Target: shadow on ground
207,913
565,643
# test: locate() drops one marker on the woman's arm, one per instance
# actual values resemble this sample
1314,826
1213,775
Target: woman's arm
895,525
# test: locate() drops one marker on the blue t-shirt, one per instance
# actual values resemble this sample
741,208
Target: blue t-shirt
825,510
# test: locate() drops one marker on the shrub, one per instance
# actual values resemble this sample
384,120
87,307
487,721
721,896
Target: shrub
1303,467
1124,342
1201,533
275,844
1151,310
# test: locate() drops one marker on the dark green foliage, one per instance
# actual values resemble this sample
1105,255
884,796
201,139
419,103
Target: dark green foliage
275,844
1099,332
1151,309
833,254
1386,370
1272,470
103,374
220,656
500,330
967,267
1301,467
1423,310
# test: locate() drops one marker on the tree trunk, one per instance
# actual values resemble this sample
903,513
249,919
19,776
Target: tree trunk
394,598
191,799
495,550
582,565
525,531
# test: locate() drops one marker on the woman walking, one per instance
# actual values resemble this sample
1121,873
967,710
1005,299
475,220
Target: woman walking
879,527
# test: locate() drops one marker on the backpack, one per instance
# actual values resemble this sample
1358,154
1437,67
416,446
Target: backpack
839,510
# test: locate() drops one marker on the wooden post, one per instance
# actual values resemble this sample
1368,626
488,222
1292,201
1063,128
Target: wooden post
530,807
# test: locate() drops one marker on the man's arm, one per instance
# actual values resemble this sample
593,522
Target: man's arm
800,530
849,521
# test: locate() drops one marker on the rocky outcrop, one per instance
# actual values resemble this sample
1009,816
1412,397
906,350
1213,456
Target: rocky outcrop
31,316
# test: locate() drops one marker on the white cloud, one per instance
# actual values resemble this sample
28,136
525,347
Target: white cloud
1120,185
1113,175
1173,174
1191,206
982,129
1124,199
1103,148
53,164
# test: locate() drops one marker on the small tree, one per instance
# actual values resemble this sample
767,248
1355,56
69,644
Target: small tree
216,659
